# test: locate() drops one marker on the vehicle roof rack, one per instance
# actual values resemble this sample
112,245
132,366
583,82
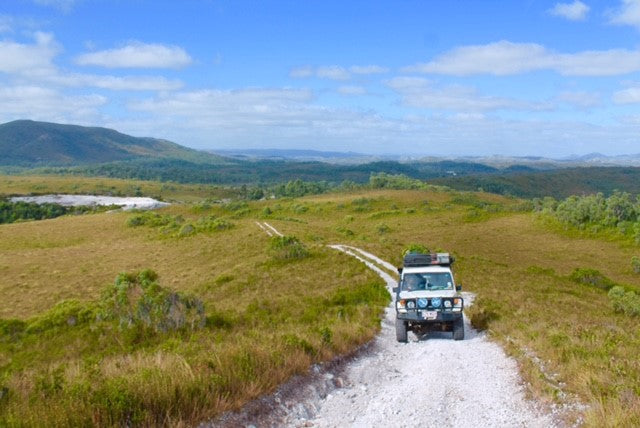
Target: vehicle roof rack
433,259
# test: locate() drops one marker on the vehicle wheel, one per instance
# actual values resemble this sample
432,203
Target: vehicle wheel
458,329
401,331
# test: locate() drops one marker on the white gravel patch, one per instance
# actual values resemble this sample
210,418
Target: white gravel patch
127,203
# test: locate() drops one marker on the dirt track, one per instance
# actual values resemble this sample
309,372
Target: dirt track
431,382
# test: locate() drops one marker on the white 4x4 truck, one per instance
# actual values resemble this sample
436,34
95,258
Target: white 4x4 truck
427,297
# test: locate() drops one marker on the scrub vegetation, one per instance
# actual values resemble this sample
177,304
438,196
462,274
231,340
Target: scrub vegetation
258,309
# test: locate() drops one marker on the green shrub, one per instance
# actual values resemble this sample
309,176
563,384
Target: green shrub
11,328
624,302
592,277
416,248
136,299
635,264
287,248
383,228
66,313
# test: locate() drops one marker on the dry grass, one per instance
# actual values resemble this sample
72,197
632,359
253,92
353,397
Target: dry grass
565,335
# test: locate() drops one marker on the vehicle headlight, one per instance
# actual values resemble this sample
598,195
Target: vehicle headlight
447,303
436,302
422,303
400,304
411,304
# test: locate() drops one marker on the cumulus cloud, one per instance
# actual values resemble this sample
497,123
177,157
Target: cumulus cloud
19,57
368,69
333,72
580,99
352,90
506,58
138,55
629,95
421,93
301,72
627,14
576,11
115,83
41,103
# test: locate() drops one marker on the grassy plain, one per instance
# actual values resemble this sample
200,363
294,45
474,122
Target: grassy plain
269,319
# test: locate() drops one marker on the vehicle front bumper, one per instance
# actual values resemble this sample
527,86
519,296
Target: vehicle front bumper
418,316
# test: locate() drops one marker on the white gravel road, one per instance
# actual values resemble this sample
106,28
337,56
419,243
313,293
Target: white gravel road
432,382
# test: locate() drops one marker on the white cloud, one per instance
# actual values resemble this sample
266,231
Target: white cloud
580,99
19,57
138,55
333,72
368,69
36,102
420,93
34,63
352,90
301,72
115,83
64,5
627,14
576,11
507,58
630,95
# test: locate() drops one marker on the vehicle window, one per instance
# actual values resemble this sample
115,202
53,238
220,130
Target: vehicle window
427,281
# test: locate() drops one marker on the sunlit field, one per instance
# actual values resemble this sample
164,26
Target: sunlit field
269,317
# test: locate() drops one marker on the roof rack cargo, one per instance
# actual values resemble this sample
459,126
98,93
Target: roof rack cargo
437,259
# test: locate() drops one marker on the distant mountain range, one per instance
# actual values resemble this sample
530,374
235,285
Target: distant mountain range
30,143
49,148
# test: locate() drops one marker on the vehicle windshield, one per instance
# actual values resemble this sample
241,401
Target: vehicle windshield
427,281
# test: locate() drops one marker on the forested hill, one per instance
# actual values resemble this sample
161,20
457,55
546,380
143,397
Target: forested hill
30,143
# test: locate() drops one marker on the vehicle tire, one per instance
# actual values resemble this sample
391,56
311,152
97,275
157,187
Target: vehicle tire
458,329
401,331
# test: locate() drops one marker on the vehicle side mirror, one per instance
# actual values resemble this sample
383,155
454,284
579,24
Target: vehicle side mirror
399,271
395,289
459,287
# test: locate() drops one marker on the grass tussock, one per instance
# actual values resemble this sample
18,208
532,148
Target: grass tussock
285,248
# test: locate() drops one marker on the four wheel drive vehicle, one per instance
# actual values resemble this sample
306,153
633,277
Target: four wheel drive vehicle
427,297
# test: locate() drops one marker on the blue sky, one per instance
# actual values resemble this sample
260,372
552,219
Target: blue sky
401,77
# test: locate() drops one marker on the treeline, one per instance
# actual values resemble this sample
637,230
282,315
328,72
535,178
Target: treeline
11,212
265,172
297,188
558,183
621,211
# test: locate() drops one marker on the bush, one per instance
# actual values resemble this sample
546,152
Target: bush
592,277
136,299
635,264
624,302
66,313
416,248
287,248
